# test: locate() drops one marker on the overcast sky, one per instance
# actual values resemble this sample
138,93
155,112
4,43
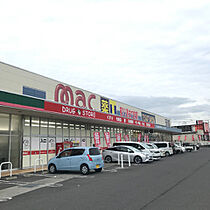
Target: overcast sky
153,54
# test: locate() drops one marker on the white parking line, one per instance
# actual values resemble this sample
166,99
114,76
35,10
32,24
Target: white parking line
23,187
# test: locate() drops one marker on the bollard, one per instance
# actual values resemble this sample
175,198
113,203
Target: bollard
129,160
118,157
121,160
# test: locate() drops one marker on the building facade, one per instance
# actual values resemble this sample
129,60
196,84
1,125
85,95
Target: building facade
194,133
40,116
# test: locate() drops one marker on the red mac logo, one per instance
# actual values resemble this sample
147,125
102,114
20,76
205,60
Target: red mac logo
65,92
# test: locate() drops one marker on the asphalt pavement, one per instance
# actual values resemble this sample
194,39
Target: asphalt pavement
180,182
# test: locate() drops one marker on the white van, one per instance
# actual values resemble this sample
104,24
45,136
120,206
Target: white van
138,145
166,146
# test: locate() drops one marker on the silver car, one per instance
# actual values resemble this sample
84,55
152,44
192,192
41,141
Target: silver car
112,154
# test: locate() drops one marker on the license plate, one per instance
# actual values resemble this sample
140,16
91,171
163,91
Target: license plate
97,166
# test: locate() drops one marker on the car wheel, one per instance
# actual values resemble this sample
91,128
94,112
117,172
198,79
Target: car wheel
108,159
137,160
52,169
84,169
167,154
98,170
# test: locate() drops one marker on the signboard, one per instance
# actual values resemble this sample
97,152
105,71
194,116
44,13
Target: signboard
107,138
118,137
126,137
148,118
139,137
97,140
79,112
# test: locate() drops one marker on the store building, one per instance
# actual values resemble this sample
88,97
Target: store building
41,116
193,133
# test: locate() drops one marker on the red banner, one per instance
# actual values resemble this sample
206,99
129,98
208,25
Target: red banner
97,140
107,138
118,137
193,138
126,137
81,112
185,138
199,137
179,138
139,137
145,138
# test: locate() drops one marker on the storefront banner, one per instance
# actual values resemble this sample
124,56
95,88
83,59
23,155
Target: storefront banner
97,140
81,112
193,138
26,143
185,138
35,145
43,143
126,137
178,138
107,138
83,142
118,137
145,138
51,143
199,136
139,137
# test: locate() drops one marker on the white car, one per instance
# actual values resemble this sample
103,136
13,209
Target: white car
166,146
157,153
178,148
112,154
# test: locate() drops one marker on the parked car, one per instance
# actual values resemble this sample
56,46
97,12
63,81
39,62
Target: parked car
158,152
142,147
188,146
81,159
166,146
111,154
178,148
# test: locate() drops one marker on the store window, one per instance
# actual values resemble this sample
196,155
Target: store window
35,126
43,127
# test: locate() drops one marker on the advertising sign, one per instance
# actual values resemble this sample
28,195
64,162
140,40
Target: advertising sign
107,138
139,137
97,140
83,142
90,114
118,137
193,138
148,117
178,138
26,145
126,137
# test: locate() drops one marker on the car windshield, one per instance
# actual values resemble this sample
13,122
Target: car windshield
135,149
154,146
150,146
146,146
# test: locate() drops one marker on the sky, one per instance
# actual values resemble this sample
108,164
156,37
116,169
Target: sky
152,54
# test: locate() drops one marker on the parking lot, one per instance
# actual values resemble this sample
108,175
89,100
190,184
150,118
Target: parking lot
177,182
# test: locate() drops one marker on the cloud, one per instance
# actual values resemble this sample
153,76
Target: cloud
175,108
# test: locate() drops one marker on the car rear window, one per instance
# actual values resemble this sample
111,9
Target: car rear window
76,152
94,151
160,145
